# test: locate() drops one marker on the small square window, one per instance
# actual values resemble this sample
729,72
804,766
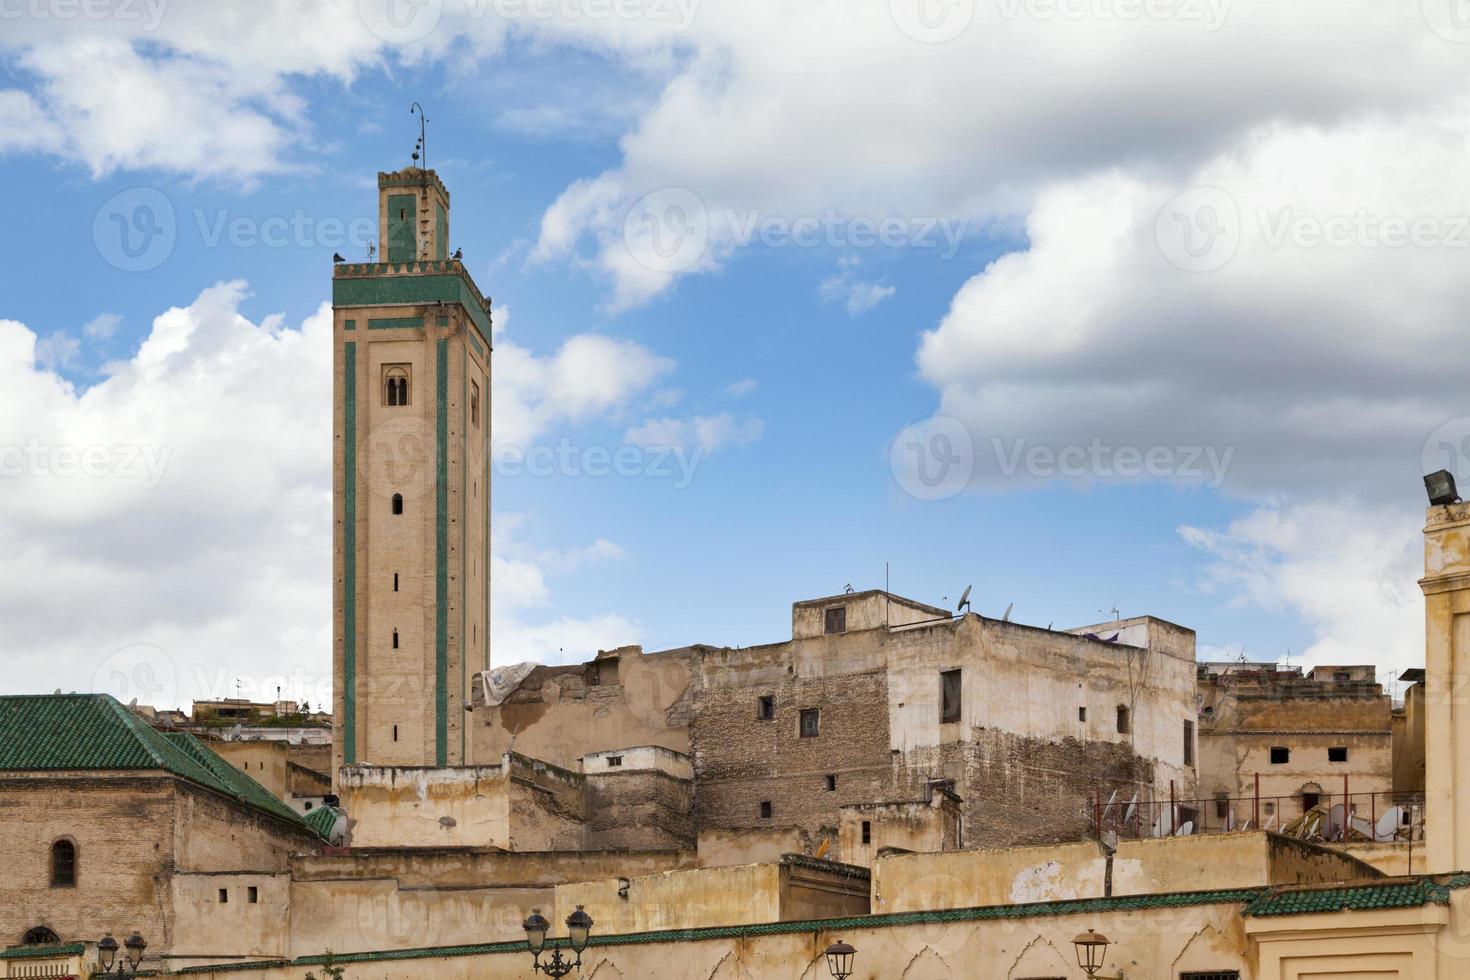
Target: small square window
765,809
867,831
224,896
765,707
831,782
811,722
835,620
1280,755
252,895
1268,808
614,761
1337,753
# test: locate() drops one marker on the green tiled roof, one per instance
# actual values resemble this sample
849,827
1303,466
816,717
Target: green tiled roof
40,952
1407,894
50,732
322,820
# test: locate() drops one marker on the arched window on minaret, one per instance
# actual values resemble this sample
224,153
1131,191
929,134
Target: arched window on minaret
395,385
398,503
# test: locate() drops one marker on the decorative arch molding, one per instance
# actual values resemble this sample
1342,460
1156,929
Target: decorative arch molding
928,965
40,936
1040,958
1208,950
605,970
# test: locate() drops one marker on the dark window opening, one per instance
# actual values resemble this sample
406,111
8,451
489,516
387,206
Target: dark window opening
1222,805
224,896
1211,975
1337,753
252,895
1189,743
40,936
867,831
395,733
831,782
613,761
765,707
1123,720
63,864
1268,808
395,384
398,503
475,403
1280,755
395,581
835,620
1310,800
395,639
1081,714
949,696
811,722
765,809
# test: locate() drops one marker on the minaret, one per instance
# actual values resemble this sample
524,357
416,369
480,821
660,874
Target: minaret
411,487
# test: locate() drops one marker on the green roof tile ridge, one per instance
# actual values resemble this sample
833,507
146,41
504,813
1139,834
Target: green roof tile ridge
37,952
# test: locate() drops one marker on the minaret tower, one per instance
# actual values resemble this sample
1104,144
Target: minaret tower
411,487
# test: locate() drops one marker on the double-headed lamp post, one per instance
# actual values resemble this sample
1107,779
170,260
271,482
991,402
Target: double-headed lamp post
839,960
107,952
1092,949
579,927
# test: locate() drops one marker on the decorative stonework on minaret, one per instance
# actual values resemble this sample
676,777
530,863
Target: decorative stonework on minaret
411,479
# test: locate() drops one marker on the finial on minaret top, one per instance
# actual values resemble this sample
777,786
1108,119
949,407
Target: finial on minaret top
420,149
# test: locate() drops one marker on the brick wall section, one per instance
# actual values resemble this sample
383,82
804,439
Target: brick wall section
639,811
740,761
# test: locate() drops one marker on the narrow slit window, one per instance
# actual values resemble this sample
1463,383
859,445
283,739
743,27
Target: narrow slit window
395,581
1188,743
949,696
867,831
395,639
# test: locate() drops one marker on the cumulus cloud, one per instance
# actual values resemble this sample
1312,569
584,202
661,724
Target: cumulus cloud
858,296
741,388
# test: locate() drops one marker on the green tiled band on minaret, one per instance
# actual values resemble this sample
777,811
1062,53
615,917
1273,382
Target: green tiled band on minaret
349,554
441,552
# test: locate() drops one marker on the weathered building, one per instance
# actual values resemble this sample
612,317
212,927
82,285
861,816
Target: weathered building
1294,740
876,708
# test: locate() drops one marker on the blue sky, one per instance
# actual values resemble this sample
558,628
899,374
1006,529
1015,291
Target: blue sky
1049,323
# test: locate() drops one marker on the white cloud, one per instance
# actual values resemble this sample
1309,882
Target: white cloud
102,326
857,295
1347,571
701,432
58,351
741,388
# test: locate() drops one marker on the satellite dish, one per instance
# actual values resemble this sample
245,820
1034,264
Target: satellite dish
1006,618
235,733
964,602
1388,824
1186,829
1128,813
1108,808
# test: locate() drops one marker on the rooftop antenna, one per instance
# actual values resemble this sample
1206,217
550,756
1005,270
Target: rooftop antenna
847,589
1113,610
420,148
964,600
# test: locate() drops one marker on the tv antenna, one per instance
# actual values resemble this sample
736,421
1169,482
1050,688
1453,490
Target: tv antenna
1113,610
420,148
964,601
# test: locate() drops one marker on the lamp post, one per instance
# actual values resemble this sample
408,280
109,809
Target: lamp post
1092,949
107,952
839,960
579,928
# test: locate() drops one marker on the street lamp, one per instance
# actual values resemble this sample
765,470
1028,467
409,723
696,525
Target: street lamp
107,950
1092,949
579,928
839,960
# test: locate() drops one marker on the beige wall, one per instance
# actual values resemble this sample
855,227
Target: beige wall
720,848
264,762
